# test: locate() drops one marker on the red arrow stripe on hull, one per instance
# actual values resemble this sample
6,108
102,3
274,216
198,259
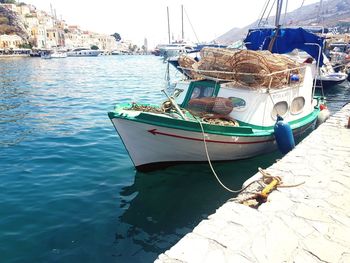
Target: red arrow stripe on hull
155,132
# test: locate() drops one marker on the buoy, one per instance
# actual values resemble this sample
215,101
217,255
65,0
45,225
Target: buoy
284,135
323,115
294,78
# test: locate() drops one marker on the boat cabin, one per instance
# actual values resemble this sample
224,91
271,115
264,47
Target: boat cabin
254,106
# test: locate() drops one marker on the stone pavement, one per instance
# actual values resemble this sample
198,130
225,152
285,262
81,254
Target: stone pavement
308,223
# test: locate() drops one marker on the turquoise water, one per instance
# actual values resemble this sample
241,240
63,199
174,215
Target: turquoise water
68,190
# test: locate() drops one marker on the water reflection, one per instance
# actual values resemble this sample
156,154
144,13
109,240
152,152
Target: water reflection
336,96
13,128
162,206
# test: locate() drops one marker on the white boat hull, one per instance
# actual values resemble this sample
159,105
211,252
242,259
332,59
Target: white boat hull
330,80
152,146
59,55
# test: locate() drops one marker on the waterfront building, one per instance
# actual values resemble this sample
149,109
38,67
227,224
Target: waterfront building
106,42
11,7
10,41
47,32
51,37
23,9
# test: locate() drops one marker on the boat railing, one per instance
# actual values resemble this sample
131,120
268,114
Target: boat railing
317,66
268,80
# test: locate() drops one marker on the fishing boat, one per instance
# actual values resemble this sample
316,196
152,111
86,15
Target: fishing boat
228,106
231,118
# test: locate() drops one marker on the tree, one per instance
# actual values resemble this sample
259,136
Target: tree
133,48
116,36
26,45
8,1
94,47
4,20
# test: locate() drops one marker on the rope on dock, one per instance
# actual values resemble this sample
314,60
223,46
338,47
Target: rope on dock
262,188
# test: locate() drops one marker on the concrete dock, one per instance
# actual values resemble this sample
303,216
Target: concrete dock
307,223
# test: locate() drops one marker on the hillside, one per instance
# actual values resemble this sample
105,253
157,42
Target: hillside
335,13
12,23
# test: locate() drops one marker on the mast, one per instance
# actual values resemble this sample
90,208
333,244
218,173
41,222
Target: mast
167,9
182,23
278,13
277,24
319,14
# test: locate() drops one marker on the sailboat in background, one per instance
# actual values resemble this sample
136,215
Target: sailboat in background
174,48
171,51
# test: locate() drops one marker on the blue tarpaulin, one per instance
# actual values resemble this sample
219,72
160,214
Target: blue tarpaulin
286,40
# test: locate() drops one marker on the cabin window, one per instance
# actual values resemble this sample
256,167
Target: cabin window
203,100
202,91
297,105
238,103
280,108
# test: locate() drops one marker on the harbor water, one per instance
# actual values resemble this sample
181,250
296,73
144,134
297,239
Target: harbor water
68,189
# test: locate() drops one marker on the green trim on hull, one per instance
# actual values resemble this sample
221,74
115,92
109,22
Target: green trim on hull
245,130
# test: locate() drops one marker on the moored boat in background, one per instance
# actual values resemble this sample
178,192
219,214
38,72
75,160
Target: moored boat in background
14,52
327,77
59,54
83,52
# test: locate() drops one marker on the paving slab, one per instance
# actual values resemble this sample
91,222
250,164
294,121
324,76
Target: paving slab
306,223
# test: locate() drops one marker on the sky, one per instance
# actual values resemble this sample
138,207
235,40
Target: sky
136,20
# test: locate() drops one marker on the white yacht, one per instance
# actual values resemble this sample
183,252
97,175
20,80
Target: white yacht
175,49
83,52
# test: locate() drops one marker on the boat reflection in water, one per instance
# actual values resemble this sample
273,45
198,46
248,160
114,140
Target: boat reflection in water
162,206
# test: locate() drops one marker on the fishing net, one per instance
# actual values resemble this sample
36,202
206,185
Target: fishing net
206,105
246,67
220,120
144,108
188,64
213,110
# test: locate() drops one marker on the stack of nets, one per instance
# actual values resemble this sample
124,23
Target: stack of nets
217,105
144,108
189,66
213,110
245,67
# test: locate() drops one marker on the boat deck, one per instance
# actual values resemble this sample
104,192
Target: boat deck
307,223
